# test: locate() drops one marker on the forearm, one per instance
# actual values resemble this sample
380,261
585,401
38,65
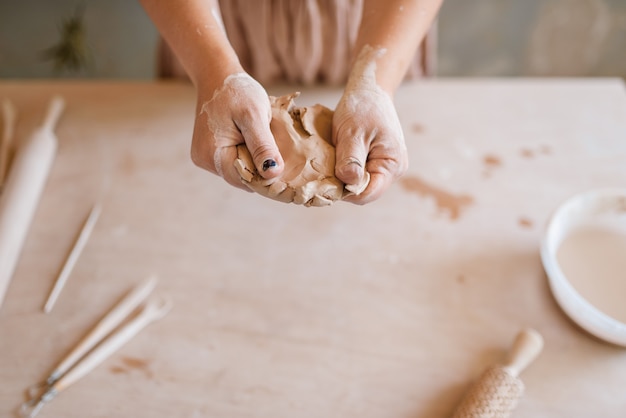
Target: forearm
194,30
396,28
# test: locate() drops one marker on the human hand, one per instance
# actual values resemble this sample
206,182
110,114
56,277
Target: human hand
238,112
368,139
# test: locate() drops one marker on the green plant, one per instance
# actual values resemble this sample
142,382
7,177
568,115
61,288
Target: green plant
71,52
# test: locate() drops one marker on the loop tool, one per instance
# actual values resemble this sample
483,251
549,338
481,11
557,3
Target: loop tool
99,344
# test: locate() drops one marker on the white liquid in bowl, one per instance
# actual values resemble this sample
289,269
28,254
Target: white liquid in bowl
593,258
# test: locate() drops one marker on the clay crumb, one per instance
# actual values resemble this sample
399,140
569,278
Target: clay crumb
118,370
492,161
525,222
417,128
128,165
137,364
530,153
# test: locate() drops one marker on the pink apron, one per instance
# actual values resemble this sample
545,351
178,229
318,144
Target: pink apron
297,41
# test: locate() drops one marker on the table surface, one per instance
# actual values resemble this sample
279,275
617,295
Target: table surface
386,310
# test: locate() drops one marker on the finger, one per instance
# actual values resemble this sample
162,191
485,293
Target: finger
201,153
262,146
383,172
225,157
378,184
350,157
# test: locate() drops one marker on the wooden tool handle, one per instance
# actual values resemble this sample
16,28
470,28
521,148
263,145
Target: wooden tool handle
153,311
526,347
104,327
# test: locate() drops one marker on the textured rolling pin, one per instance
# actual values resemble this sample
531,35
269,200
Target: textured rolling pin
20,195
499,389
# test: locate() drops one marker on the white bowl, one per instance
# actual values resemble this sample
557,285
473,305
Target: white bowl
605,206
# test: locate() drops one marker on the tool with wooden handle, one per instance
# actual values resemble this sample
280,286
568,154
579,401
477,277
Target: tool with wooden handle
104,327
99,344
22,190
499,389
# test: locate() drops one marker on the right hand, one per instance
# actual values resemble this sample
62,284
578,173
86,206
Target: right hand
238,112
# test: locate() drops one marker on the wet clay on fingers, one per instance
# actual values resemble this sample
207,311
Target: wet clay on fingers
303,136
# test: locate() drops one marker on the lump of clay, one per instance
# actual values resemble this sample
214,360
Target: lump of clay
303,136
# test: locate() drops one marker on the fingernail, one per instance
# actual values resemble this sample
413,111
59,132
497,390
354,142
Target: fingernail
267,164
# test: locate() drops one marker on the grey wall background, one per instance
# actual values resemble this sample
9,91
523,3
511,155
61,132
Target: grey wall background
476,38
533,38
121,38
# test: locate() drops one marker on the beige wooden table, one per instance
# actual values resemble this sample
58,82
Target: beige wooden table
387,310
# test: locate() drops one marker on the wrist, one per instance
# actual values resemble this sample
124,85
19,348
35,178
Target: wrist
209,75
369,72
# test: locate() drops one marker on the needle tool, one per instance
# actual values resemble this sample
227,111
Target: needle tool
80,243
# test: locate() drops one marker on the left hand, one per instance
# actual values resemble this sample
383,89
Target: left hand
368,138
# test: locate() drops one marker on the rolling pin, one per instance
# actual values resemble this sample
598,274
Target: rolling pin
25,183
498,390
9,115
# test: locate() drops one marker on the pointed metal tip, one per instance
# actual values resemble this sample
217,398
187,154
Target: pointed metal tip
30,409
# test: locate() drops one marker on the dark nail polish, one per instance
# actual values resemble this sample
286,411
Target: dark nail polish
267,164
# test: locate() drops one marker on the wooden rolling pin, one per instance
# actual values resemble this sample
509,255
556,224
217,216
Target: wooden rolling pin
499,389
25,183
9,115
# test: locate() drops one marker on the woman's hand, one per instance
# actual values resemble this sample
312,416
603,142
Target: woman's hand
238,112
232,108
367,133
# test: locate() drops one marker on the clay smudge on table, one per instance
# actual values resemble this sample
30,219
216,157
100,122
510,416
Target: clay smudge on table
417,128
446,202
492,161
128,165
527,153
532,153
525,222
261,390
118,370
133,363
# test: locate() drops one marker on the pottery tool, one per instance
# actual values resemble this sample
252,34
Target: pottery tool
80,243
9,115
499,389
22,190
100,343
